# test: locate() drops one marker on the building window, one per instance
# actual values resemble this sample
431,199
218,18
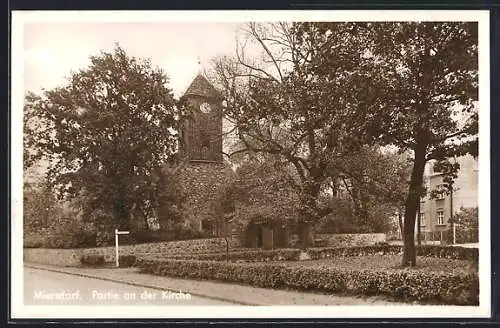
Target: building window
422,219
440,217
441,192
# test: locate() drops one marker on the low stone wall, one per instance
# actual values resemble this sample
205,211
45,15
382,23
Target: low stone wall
350,240
59,257
194,246
71,257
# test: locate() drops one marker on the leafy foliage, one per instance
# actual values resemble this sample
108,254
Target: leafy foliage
62,233
268,191
261,190
369,189
172,233
467,225
50,223
106,133
39,205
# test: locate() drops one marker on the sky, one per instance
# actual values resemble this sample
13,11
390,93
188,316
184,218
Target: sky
53,49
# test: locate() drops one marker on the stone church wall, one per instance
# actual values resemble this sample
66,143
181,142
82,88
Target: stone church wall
201,182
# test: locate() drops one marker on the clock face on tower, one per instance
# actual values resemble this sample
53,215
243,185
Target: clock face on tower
205,107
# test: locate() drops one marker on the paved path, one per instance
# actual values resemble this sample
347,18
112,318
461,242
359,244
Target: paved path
42,287
217,291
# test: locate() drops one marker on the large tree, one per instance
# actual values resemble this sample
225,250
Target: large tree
431,73
424,97
106,134
280,106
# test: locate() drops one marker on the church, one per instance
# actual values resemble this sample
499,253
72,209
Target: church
203,170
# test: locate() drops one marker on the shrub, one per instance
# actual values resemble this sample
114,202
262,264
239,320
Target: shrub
126,261
467,227
179,233
31,240
92,260
405,285
67,235
343,219
49,223
449,252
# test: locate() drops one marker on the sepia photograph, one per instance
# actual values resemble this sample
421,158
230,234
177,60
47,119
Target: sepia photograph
244,164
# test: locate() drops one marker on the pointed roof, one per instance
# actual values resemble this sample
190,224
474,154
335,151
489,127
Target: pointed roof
201,87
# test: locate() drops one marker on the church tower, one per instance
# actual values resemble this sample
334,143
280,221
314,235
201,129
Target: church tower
201,133
203,172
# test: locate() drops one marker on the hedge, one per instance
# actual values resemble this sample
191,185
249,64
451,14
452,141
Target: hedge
449,252
255,255
94,260
402,285
459,253
126,261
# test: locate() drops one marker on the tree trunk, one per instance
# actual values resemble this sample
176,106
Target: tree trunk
412,201
308,216
146,224
419,227
400,221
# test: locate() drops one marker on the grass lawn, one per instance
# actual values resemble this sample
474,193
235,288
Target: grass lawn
389,262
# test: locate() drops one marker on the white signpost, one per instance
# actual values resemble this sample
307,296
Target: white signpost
116,244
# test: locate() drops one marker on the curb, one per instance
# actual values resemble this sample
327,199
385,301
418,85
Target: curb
34,266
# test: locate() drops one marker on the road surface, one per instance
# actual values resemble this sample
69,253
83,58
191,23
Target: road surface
42,287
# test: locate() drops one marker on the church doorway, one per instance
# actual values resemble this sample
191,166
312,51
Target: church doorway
261,233
259,237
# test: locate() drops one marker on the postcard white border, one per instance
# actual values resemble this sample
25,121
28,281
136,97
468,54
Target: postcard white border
19,310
